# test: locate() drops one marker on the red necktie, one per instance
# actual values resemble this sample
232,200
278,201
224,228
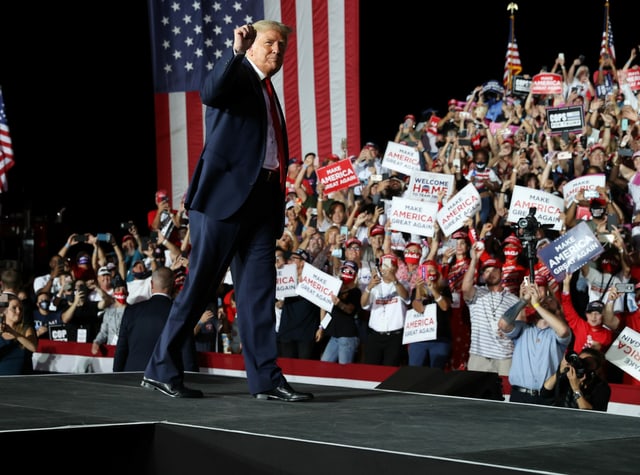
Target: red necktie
275,118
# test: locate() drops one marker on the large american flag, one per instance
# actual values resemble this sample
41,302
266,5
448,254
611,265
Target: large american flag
512,66
318,85
606,45
6,149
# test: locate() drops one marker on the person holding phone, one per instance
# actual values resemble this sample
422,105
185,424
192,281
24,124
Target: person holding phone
387,299
432,289
406,132
540,342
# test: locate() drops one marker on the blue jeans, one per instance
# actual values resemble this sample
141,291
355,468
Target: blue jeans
340,349
486,205
435,352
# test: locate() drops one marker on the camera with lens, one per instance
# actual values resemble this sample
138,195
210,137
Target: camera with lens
576,362
126,225
529,224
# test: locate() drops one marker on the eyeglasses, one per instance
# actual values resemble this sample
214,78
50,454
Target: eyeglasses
354,248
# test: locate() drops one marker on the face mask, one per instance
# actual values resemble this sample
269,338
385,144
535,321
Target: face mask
608,267
412,257
44,304
511,252
120,297
347,278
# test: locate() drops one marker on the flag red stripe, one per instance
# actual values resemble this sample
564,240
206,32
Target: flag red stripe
290,83
322,78
163,141
195,127
352,69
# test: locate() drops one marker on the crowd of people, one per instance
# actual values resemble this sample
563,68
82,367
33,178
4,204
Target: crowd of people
490,312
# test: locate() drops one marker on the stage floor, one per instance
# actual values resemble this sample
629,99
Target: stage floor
485,436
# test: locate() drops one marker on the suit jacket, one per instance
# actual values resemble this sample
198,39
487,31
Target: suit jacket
234,152
141,326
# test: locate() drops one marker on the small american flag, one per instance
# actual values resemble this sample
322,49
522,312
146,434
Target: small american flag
318,85
512,66
6,149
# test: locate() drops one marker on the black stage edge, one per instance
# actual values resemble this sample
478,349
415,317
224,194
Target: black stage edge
106,423
418,379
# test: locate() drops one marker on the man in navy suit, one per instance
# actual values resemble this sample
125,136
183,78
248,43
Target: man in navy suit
142,324
235,203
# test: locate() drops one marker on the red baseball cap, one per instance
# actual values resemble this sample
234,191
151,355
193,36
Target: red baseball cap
491,262
377,230
352,241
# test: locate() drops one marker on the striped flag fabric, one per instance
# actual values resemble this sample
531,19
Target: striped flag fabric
606,45
318,85
512,66
6,148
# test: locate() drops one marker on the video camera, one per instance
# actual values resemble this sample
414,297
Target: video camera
528,225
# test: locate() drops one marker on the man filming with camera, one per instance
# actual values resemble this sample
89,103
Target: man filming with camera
579,382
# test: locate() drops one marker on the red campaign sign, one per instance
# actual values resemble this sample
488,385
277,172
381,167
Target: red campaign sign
338,176
433,124
632,76
546,83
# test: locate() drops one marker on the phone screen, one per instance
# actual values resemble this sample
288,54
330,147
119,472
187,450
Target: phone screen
624,124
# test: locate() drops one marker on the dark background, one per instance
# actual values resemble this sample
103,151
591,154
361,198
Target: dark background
79,97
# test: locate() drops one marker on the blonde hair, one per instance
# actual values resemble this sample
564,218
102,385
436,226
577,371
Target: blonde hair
265,25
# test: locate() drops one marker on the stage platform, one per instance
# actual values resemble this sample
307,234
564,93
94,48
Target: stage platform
107,423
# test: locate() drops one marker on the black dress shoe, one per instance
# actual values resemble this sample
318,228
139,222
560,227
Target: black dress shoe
284,392
169,390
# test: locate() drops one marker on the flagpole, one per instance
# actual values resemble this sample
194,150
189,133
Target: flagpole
606,21
511,8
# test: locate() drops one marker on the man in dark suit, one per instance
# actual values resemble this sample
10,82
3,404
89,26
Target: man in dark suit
235,203
142,324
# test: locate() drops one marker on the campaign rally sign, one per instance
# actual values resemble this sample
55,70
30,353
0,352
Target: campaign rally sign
624,352
413,217
571,251
401,158
586,183
546,83
548,206
338,176
565,119
425,186
58,332
631,76
286,281
499,128
317,286
420,326
521,85
458,208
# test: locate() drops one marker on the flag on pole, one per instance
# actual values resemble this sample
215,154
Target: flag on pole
318,85
6,149
512,66
607,46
